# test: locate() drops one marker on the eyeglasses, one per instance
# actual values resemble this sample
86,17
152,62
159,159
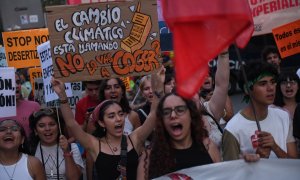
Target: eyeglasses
14,128
46,111
291,83
179,111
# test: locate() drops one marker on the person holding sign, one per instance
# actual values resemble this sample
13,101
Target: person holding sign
60,159
259,128
14,161
112,149
24,107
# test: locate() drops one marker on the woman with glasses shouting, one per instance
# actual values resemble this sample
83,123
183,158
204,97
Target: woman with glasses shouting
288,97
60,159
115,155
14,161
180,139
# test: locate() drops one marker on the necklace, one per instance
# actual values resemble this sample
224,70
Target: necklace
11,177
51,168
112,149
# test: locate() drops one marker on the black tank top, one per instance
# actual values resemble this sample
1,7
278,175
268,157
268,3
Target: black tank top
193,156
106,165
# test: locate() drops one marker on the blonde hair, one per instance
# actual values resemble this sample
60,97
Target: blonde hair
143,80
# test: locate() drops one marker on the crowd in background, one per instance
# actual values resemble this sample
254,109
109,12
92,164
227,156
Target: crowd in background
159,133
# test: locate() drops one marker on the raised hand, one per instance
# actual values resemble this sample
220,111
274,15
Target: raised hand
157,80
59,87
64,144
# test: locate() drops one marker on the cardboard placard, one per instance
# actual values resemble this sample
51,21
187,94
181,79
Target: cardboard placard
104,40
3,62
20,47
8,105
47,72
287,38
34,73
269,14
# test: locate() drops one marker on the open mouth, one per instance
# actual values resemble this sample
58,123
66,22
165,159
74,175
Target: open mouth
8,139
176,129
119,127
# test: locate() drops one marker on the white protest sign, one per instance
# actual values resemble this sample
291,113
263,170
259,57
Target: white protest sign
44,51
7,92
3,62
77,94
275,169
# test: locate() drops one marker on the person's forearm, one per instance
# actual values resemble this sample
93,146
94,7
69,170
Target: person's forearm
222,73
66,110
72,169
279,152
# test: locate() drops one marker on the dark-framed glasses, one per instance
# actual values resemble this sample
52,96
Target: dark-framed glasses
291,83
13,128
43,112
179,111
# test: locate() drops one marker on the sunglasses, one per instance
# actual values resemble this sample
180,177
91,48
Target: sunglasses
43,112
14,128
179,111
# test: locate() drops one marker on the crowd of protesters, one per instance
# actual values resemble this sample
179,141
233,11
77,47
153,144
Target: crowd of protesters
163,134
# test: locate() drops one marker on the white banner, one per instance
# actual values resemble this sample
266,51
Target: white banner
3,62
269,14
44,51
7,92
274,169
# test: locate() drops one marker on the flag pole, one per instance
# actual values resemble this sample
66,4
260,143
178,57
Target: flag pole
247,87
58,119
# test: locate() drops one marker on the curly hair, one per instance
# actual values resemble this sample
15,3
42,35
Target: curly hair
284,77
34,118
124,101
268,50
162,160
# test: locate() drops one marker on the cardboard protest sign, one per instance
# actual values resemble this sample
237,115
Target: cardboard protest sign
34,73
8,105
268,14
287,38
3,62
104,40
44,51
21,46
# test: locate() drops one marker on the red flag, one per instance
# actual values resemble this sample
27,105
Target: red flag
201,30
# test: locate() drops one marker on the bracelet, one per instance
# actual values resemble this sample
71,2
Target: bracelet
63,101
68,154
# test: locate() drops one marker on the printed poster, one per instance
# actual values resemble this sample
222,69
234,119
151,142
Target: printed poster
8,105
20,47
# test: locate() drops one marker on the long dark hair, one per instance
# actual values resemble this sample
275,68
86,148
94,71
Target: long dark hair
100,131
123,102
34,118
163,163
284,77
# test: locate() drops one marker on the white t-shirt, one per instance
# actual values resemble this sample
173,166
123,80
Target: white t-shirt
298,72
50,160
277,123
